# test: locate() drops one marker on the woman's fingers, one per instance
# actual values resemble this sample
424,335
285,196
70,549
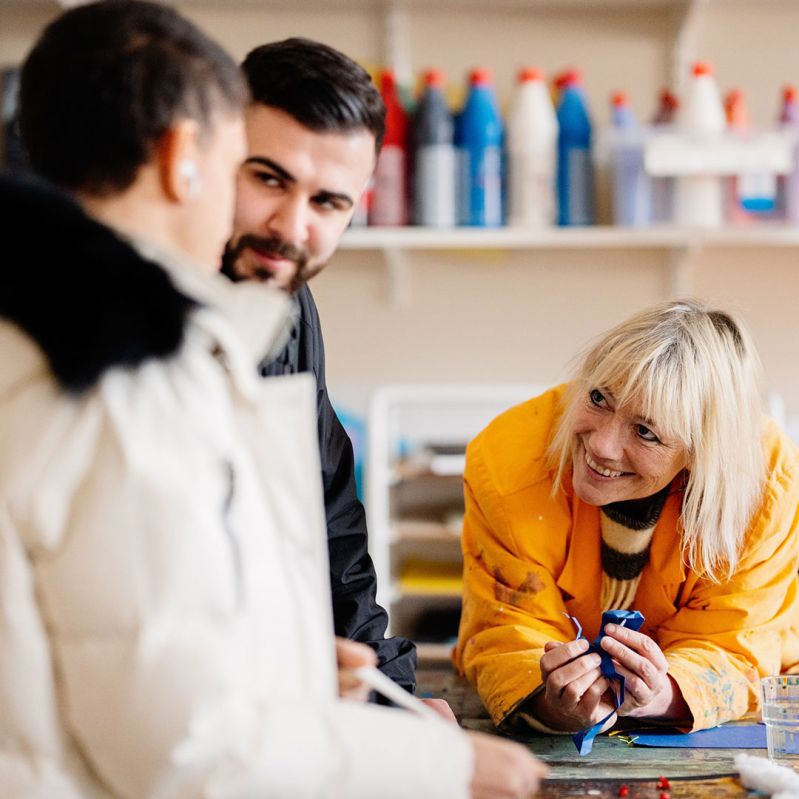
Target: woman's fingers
640,661
642,644
559,655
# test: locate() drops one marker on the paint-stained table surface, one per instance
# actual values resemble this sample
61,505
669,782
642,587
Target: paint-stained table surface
693,773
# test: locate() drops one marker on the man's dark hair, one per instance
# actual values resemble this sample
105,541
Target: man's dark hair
324,90
105,81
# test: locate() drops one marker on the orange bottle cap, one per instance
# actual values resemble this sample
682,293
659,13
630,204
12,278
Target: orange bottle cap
434,77
619,99
528,74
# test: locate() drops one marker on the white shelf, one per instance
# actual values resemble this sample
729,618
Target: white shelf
574,238
421,415
680,244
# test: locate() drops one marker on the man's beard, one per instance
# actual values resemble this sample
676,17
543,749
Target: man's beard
267,246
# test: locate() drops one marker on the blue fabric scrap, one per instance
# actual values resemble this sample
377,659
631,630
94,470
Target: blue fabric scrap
633,619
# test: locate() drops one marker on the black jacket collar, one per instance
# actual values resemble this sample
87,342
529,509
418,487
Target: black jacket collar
87,298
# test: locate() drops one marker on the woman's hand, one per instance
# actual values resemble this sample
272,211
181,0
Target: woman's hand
575,694
649,692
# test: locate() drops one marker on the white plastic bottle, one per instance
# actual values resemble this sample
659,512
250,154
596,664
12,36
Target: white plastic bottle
531,141
699,199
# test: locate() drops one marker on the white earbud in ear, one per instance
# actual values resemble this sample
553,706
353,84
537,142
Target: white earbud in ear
188,172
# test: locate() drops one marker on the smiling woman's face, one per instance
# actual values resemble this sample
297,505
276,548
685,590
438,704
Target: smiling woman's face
617,454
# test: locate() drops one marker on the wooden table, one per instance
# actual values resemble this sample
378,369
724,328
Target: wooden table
693,773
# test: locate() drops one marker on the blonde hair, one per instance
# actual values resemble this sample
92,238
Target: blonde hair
695,372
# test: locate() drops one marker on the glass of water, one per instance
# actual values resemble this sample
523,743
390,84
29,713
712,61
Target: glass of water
781,715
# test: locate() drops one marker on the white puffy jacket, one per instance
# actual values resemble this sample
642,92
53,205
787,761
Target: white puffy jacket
165,623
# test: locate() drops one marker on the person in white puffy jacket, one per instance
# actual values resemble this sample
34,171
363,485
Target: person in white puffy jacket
165,621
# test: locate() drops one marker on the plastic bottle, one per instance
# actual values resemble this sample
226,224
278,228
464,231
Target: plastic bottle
668,105
532,152
389,200
360,217
788,185
479,143
699,199
434,156
632,190
663,187
750,195
559,82
575,170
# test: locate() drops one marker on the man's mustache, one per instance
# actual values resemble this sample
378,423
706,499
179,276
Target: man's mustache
270,246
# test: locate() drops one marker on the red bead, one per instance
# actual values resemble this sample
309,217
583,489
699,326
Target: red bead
663,783
624,791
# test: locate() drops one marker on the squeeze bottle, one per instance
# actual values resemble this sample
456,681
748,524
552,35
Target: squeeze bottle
532,151
389,200
479,143
663,187
575,170
632,190
434,156
699,198
788,185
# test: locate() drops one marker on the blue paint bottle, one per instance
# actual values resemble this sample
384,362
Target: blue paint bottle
575,169
479,139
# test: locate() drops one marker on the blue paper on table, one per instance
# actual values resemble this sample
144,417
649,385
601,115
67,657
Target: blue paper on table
727,736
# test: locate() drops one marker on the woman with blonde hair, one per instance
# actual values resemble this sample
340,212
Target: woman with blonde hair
651,482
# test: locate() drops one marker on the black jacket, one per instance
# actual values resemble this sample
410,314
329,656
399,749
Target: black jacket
356,613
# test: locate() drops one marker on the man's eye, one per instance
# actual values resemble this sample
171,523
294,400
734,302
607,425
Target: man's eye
597,397
267,179
645,433
328,204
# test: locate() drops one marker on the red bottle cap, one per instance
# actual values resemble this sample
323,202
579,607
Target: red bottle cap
481,77
528,74
669,100
789,94
434,77
568,78
702,68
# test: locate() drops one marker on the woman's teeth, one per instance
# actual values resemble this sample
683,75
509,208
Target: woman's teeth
601,469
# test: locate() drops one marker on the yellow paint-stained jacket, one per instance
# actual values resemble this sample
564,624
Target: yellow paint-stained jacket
530,558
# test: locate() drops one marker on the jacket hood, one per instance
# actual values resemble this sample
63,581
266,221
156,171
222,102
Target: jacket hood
86,297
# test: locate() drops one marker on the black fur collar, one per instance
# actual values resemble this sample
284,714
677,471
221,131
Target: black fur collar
88,299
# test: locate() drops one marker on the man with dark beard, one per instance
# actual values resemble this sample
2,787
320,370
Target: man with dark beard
314,128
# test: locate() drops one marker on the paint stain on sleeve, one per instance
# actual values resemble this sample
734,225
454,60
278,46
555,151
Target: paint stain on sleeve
504,592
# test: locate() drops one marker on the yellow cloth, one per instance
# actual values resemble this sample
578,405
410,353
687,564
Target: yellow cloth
530,558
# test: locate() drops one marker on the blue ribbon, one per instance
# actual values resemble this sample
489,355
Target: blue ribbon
633,619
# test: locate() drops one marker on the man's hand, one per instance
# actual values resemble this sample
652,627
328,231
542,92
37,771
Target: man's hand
351,655
575,694
503,769
649,692
441,706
